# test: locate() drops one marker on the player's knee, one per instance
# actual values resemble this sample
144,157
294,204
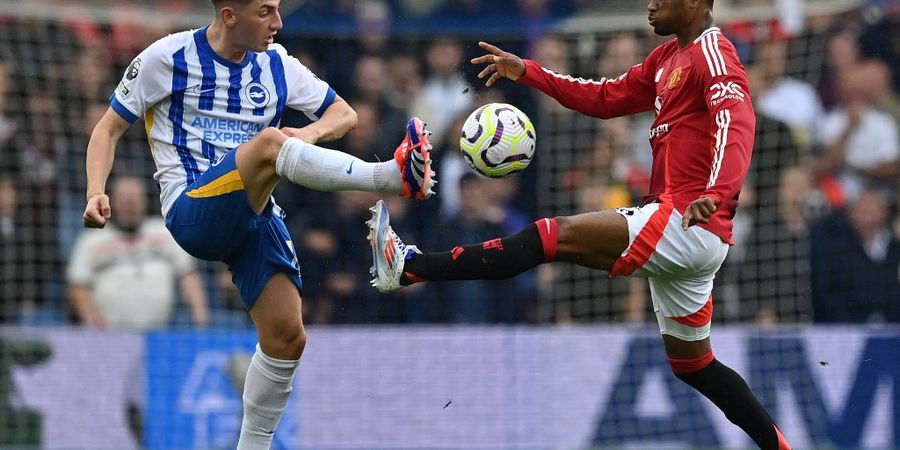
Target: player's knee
570,244
286,339
271,139
563,228
684,367
292,337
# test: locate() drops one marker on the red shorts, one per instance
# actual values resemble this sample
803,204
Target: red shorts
680,266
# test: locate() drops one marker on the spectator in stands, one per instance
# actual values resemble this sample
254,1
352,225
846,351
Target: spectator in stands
452,164
596,180
362,143
781,97
406,80
319,247
341,255
860,143
560,130
7,126
42,51
876,75
597,187
442,98
38,149
476,301
855,261
72,177
881,36
633,165
124,275
344,280
551,51
373,26
372,84
18,276
774,278
842,51
92,74
622,51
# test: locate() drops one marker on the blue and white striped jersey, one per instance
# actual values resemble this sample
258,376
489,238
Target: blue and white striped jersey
197,105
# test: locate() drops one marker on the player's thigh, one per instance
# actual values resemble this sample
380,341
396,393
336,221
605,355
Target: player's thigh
683,309
256,165
212,219
278,319
680,349
594,239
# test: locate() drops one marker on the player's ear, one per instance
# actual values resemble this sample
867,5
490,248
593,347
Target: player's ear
228,16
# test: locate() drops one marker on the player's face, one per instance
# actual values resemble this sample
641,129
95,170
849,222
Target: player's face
257,24
667,16
129,203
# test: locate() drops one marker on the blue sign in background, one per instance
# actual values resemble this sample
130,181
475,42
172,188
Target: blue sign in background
526,388
192,397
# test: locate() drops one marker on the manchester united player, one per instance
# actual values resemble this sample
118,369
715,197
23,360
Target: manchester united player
702,139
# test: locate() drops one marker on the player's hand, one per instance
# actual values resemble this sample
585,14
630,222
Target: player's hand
699,211
855,111
501,64
95,320
97,211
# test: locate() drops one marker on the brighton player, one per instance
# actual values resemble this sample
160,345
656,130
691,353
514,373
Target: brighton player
212,100
702,140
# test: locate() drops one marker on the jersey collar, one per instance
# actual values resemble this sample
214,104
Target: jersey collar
204,48
707,31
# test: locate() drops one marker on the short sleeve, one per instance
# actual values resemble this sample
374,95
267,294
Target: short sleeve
147,80
306,91
182,263
81,265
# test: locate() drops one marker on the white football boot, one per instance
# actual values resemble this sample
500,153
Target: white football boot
389,253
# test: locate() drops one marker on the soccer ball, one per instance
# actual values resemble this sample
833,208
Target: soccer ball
497,140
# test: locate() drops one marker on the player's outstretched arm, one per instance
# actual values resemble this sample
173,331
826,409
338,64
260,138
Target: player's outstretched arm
501,64
100,152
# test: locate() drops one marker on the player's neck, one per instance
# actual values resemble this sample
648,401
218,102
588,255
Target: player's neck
222,45
693,31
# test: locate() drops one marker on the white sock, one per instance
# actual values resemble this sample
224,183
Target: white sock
266,392
328,170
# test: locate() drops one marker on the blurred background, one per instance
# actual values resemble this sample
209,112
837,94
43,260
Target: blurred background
125,342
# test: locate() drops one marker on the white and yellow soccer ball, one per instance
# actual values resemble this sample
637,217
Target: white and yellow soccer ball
497,140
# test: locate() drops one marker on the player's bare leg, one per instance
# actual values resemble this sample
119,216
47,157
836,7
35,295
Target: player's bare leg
282,338
272,155
594,240
256,164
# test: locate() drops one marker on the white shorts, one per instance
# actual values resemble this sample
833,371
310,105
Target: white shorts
680,266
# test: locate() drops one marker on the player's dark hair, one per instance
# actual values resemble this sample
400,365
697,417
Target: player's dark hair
220,3
709,4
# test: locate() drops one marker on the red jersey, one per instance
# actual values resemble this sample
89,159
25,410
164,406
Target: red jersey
702,137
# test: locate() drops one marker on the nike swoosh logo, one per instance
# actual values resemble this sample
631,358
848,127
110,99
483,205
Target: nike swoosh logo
350,169
199,90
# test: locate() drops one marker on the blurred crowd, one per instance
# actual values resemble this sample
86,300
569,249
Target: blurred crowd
817,231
